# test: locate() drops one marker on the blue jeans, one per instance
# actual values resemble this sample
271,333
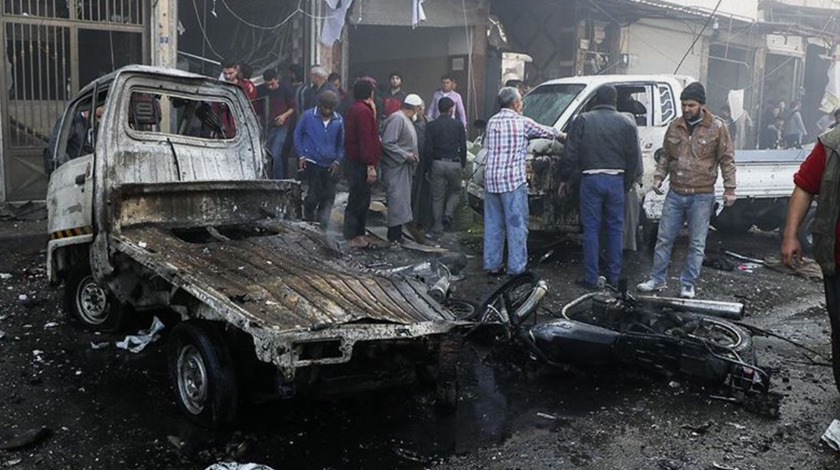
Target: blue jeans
506,213
274,145
602,195
679,208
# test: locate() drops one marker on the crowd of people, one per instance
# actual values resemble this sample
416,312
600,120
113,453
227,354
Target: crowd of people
365,134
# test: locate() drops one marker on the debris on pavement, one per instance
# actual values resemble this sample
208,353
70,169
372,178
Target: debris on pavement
718,466
12,439
5,276
2,334
807,268
831,436
138,342
12,462
718,262
546,415
744,258
49,325
238,466
101,345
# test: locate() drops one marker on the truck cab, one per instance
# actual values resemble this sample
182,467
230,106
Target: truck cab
653,102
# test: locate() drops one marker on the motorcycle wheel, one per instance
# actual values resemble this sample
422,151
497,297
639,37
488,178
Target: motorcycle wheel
729,335
509,297
463,309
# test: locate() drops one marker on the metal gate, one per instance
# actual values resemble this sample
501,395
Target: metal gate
52,48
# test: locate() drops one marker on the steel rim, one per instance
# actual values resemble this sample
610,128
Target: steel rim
460,308
92,301
721,335
192,379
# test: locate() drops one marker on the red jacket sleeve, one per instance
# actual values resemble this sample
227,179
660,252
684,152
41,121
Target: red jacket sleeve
809,176
370,145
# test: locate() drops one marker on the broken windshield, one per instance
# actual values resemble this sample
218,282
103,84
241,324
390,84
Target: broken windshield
546,103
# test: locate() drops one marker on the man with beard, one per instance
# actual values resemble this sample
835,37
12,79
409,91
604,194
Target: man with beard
695,145
399,158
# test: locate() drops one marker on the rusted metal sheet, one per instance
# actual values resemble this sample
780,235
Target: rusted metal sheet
287,277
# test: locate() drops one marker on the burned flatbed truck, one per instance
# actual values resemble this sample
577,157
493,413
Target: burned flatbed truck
158,200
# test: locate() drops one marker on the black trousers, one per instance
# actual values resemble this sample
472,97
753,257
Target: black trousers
320,195
355,216
832,304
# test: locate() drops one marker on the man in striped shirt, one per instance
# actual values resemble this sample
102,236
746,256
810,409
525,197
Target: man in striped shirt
505,189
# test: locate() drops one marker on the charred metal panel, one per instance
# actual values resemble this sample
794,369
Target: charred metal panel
204,203
289,279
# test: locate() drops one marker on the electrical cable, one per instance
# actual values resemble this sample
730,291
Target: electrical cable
698,36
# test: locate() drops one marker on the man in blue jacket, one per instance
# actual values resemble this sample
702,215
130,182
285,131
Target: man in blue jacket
319,142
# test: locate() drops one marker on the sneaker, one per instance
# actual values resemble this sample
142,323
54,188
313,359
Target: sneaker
687,292
650,286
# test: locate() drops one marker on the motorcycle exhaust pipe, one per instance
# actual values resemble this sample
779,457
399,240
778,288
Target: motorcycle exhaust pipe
728,310
533,301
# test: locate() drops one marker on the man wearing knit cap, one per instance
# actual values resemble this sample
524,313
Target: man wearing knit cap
695,146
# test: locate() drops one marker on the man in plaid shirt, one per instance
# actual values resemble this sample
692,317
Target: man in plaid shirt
505,189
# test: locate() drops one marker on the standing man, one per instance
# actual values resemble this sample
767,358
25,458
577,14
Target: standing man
393,99
319,141
605,146
280,102
505,190
362,149
695,145
794,127
317,84
399,158
819,175
447,90
446,148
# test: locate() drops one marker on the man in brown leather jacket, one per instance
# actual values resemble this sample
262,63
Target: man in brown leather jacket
695,146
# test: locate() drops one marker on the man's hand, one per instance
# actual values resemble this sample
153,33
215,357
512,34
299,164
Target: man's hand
302,163
412,157
279,120
371,174
791,251
729,197
334,169
657,185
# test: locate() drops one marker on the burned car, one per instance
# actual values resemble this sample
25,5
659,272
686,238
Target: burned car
166,206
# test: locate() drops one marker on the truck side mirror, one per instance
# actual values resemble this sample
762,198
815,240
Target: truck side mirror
658,155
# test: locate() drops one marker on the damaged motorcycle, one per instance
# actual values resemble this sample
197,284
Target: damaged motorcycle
670,337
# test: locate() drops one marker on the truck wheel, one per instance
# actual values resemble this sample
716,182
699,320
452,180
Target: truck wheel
91,303
202,374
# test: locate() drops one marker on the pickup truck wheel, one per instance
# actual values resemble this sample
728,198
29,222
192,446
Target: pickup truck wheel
202,374
91,303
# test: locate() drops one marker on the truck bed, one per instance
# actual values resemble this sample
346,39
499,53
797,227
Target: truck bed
283,276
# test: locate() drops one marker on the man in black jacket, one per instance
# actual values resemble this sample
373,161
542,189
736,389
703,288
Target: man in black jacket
446,151
604,145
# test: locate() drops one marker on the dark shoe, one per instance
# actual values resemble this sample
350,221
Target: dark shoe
497,272
447,221
586,284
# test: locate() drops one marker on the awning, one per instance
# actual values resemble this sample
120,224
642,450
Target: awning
439,13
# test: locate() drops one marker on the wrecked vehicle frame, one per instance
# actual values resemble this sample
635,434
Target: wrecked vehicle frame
169,208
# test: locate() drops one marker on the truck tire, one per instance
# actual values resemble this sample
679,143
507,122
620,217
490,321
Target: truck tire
202,374
86,301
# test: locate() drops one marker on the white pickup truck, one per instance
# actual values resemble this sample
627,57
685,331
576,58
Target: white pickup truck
764,176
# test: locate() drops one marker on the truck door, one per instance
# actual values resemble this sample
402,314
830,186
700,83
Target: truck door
70,193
